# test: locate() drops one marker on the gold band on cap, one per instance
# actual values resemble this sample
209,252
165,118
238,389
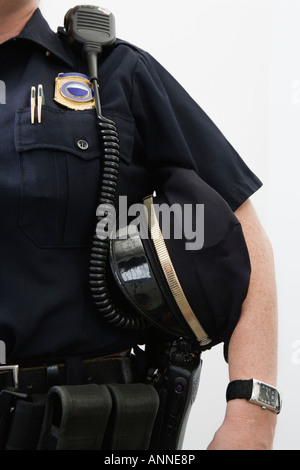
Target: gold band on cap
171,276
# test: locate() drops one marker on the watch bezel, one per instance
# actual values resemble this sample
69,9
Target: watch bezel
265,406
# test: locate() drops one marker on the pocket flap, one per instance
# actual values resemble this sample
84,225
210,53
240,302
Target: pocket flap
69,131
75,132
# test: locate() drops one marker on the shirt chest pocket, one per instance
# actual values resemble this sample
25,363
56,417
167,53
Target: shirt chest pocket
60,165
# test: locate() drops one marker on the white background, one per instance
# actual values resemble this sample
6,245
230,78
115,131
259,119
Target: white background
240,60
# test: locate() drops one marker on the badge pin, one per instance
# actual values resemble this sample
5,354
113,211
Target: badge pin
74,91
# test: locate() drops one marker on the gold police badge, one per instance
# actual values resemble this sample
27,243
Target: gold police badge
74,91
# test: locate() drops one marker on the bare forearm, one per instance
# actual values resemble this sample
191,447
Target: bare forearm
253,346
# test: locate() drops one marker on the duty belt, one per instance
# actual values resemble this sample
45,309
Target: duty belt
39,411
104,404
36,380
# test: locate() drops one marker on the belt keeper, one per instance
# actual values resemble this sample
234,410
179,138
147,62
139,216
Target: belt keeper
73,370
53,377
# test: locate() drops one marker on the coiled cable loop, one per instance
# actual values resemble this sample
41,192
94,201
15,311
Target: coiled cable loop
101,240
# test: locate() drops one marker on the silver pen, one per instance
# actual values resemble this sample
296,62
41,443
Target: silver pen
40,102
33,103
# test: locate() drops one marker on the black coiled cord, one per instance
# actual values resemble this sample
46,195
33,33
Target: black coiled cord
101,240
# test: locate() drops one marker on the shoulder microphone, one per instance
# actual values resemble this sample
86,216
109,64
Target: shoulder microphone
90,28
90,24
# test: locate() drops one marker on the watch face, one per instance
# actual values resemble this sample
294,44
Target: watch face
267,395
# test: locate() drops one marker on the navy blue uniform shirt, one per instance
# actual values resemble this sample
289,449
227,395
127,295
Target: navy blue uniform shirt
49,185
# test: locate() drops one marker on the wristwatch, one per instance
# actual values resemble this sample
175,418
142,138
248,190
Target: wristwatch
256,392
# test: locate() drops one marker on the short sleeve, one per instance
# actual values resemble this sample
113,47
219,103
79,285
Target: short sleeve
176,132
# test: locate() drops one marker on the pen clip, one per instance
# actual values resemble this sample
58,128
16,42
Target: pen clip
33,103
41,101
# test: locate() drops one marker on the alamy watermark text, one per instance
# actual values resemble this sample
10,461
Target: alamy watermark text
176,221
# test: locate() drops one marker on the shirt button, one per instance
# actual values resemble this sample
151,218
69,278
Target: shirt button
82,144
